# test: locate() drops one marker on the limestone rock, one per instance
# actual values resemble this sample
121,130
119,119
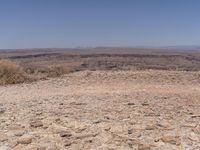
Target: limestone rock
24,140
65,134
144,147
150,126
3,137
171,139
36,123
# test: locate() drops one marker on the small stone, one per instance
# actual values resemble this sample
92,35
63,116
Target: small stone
144,147
82,136
107,128
196,129
130,131
38,113
12,143
195,116
145,104
52,147
19,147
77,103
156,140
36,124
97,121
57,119
65,134
25,140
32,147
67,143
2,110
19,133
189,125
164,125
131,103
107,117
170,139
193,137
3,137
45,127
150,127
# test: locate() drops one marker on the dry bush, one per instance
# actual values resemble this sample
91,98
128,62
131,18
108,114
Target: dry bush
56,71
11,73
47,70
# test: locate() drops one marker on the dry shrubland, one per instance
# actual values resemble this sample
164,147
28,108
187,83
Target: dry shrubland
12,72
45,63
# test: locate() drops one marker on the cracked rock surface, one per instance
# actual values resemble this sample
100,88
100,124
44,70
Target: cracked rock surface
103,110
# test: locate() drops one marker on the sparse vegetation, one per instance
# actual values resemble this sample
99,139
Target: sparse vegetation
32,65
55,71
11,73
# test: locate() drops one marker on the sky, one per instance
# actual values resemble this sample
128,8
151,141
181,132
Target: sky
94,23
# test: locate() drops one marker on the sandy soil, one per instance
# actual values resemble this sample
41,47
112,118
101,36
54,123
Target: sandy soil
105,110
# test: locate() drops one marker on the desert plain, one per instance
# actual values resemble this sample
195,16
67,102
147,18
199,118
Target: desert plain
111,99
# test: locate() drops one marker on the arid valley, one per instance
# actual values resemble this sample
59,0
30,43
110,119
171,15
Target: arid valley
103,105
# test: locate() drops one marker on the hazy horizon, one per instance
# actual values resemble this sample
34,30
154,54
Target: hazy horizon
114,23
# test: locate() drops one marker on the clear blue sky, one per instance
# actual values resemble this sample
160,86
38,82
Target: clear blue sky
73,23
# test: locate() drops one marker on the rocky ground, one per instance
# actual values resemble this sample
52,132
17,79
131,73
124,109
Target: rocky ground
103,110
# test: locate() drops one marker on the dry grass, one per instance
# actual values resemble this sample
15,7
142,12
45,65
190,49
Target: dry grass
47,70
11,73
55,71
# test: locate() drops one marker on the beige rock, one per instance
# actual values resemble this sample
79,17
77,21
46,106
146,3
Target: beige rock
67,143
53,147
171,139
150,126
25,140
2,110
196,129
189,125
193,137
79,127
36,123
12,143
3,137
19,133
145,104
38,113
65,134
144,147
19,147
